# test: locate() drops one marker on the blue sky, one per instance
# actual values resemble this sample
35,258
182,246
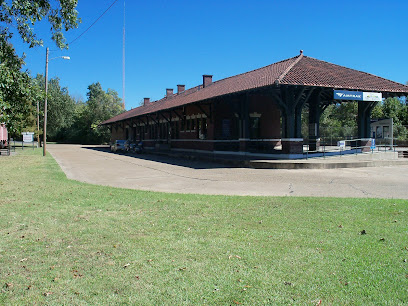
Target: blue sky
176,42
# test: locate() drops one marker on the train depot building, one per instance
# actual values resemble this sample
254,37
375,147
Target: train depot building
257,112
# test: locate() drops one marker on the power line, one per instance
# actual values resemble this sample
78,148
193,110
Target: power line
94,22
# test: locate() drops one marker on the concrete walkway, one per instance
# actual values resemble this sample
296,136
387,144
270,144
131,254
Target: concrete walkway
93,164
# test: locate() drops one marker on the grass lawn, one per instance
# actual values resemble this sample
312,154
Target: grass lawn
65,242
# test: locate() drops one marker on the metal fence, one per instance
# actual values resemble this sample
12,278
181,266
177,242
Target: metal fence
349,146
14,145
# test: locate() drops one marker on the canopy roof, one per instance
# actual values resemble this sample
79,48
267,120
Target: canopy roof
299,70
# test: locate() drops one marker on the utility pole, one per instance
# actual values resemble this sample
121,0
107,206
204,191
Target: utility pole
45,101
38,124
45,105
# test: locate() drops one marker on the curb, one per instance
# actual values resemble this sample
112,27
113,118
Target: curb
274,164
329,165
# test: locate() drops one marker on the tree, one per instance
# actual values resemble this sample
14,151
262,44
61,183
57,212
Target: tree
61,109
99,107
392,108
17,92
339,121
23,15
395,109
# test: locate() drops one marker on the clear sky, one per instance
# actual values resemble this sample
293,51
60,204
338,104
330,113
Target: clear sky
176,42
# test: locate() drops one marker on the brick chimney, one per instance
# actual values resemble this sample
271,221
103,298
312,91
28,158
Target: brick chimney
169,92
181,88
207,80
146,101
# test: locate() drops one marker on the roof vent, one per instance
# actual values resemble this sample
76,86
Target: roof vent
207,80
181,88
169,92
301,51
146,101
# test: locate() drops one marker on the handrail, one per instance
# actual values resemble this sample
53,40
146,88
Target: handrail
354,149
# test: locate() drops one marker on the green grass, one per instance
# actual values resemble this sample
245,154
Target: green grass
65,242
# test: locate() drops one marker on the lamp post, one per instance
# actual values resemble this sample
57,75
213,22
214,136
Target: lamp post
46,92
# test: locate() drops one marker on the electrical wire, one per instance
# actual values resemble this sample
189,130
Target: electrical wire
94,22
72,41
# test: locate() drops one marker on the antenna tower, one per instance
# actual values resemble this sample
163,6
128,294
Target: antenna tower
123,55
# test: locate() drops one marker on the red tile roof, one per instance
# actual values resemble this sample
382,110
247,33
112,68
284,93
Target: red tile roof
312,72
299,70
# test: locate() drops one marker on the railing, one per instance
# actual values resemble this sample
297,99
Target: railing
331,150
13,144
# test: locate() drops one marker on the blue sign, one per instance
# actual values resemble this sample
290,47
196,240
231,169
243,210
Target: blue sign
372,144
348,95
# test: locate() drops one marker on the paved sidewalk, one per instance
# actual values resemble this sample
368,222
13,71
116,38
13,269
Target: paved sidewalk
93,164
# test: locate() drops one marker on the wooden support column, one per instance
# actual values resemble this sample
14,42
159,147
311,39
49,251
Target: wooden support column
290,124
168,127
363,118
363,122
315,111
291,102
244,116
299,101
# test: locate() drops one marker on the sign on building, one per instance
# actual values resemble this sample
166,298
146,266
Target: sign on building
372,96
357,95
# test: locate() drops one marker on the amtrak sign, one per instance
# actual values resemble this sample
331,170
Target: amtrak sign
357,95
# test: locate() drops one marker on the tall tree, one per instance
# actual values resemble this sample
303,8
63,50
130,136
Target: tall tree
99,107
17,92
61,109
394,108
23,15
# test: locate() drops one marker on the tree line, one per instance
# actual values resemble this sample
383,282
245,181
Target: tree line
74,121
68,119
